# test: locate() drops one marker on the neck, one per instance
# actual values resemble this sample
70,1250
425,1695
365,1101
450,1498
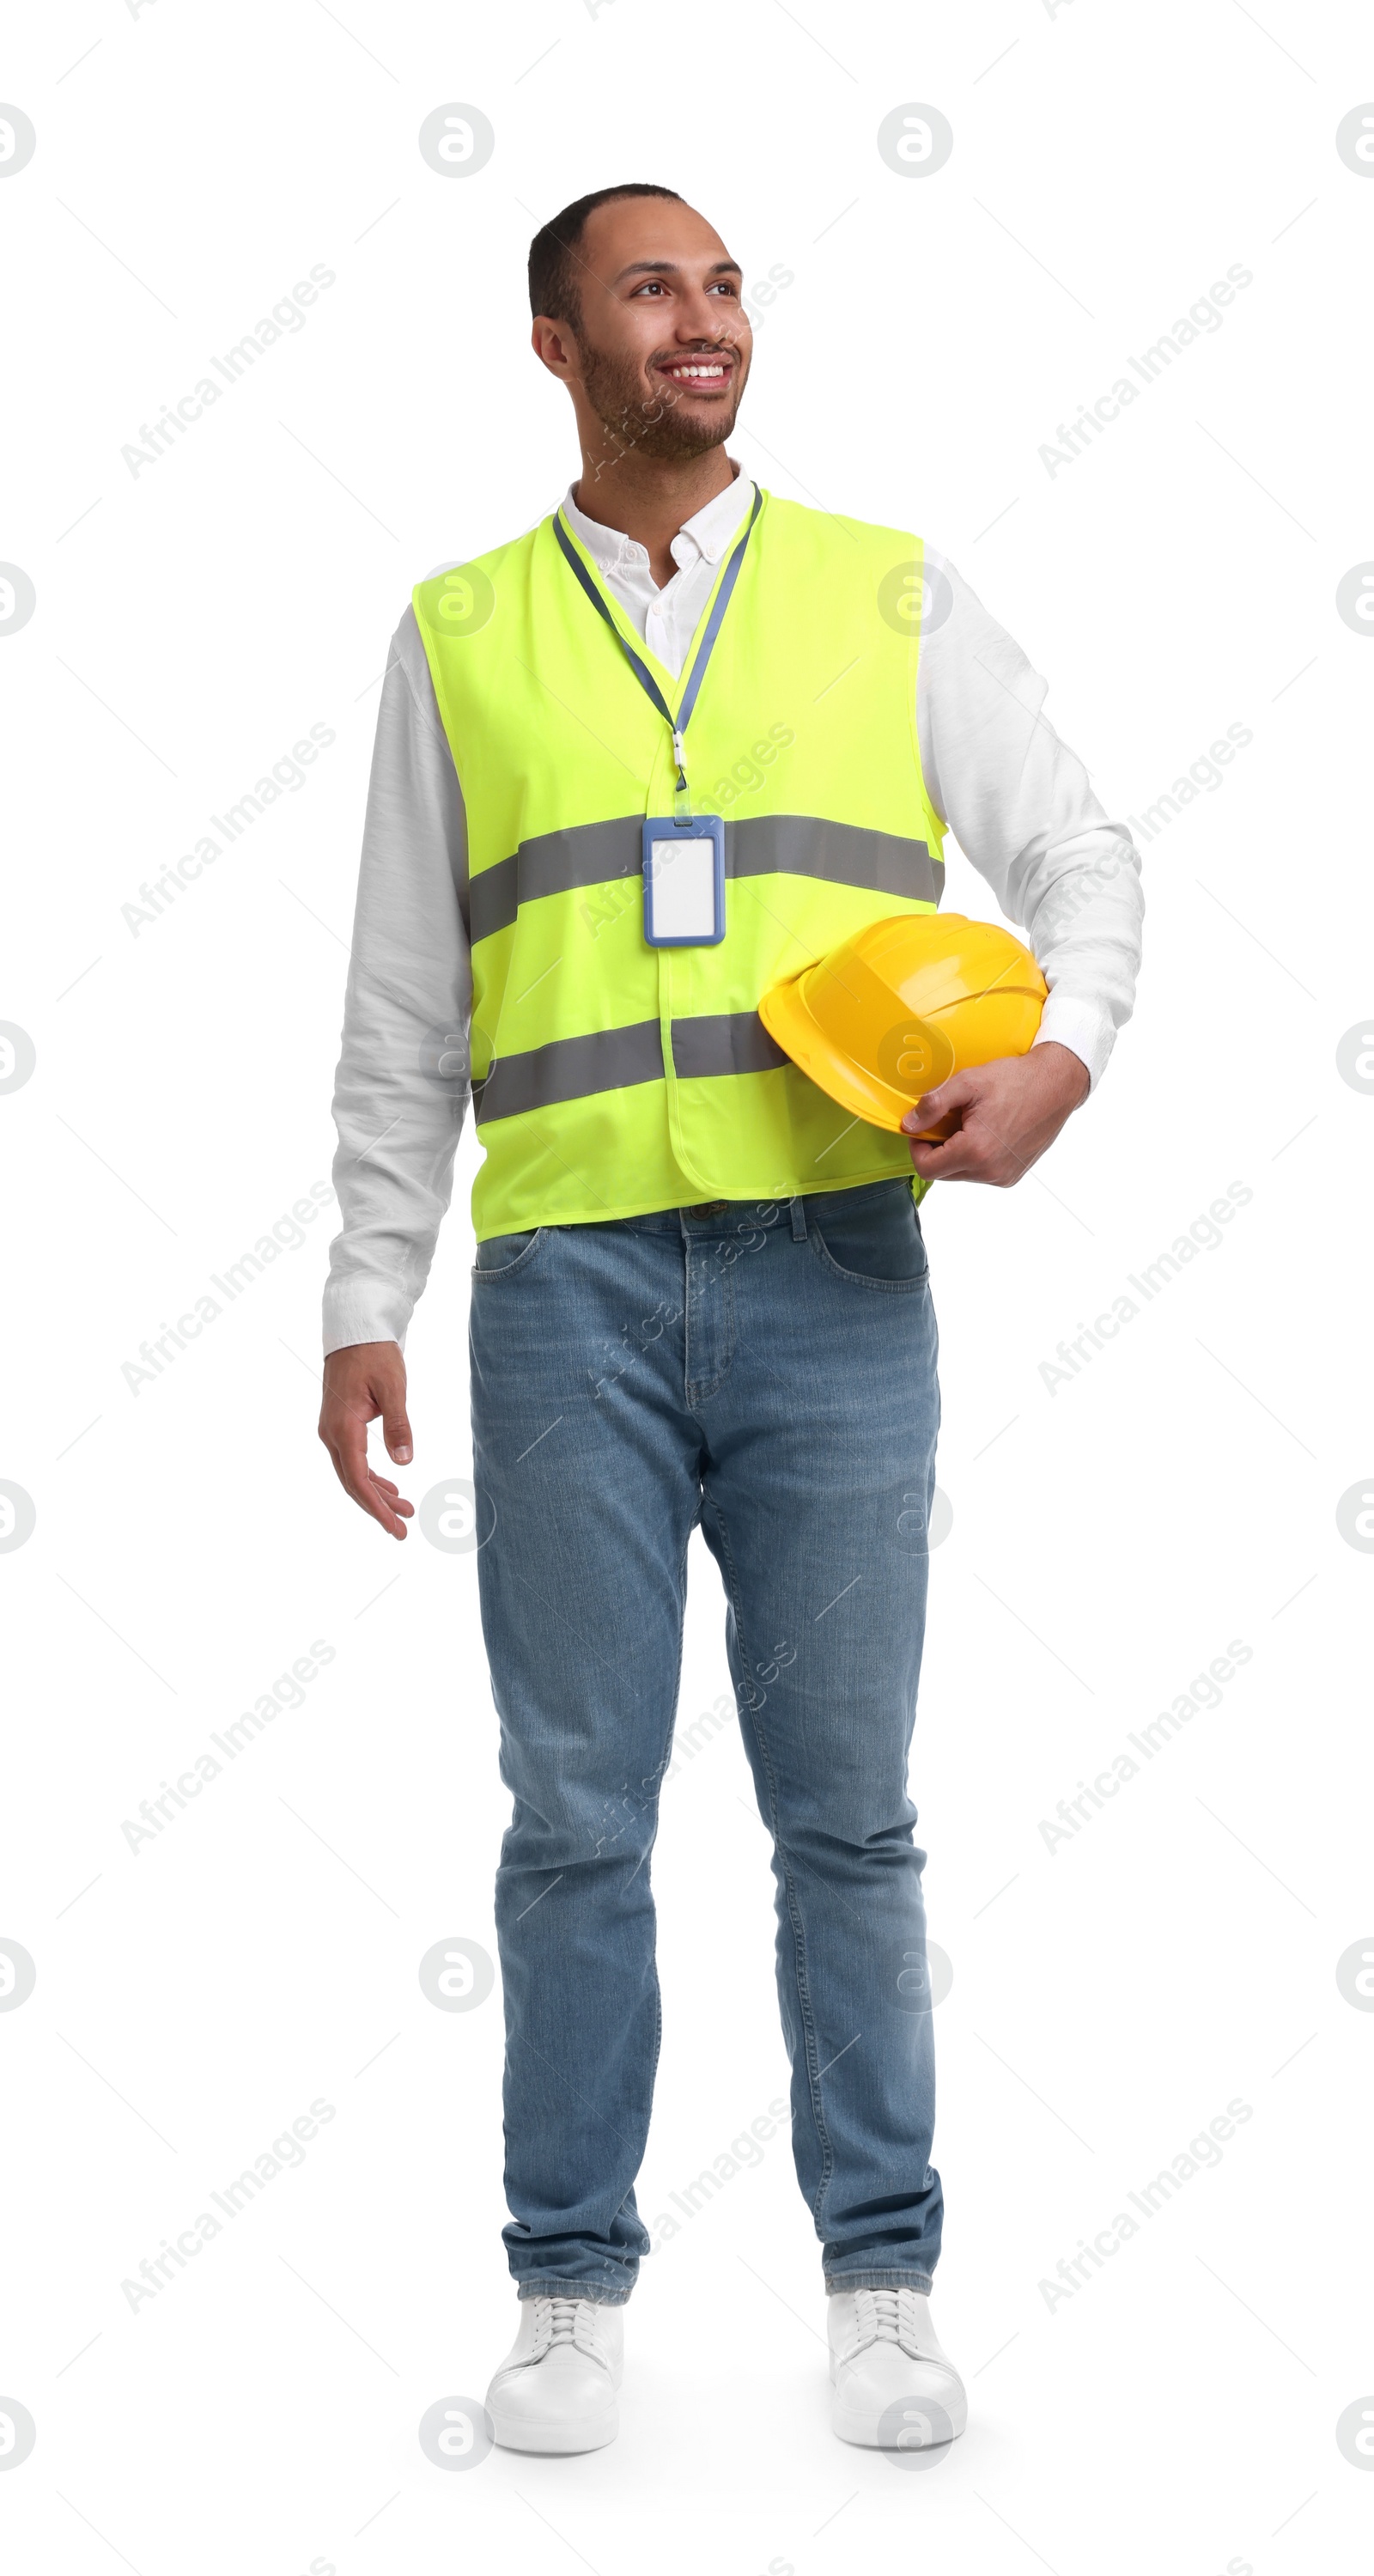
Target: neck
650,497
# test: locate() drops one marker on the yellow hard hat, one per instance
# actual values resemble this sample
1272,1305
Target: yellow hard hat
902,1005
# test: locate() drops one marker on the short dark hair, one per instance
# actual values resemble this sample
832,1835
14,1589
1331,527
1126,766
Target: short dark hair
554,262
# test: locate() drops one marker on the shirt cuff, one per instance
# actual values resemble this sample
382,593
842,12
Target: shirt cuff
364,1311
1085,1028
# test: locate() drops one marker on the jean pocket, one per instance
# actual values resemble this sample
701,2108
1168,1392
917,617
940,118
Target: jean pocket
876,1245
501,1254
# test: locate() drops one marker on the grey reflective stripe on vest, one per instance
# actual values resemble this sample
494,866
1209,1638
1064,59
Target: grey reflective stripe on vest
616,1059
799,845
723,1042
553,863
568,1068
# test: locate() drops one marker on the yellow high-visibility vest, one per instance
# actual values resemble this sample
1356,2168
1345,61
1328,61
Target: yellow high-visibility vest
610,1077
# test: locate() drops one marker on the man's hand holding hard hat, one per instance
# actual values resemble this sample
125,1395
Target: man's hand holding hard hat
925,1024
995,1120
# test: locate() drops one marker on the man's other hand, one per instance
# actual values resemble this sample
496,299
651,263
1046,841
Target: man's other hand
367,1379
997,1119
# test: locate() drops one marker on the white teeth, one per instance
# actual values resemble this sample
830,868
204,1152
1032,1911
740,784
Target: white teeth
696,371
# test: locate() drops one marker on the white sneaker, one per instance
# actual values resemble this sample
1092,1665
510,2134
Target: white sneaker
556,2388
895,2390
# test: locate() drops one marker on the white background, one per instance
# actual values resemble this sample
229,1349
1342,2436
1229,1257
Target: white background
1108,1540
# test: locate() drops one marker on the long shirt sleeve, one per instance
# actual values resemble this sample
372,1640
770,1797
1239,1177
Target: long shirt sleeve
1021,808
402,1081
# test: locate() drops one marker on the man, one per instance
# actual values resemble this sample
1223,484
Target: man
700,1291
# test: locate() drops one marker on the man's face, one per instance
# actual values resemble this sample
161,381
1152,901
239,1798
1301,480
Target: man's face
662,346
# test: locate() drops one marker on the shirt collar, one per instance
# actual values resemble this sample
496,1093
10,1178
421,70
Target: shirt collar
708,533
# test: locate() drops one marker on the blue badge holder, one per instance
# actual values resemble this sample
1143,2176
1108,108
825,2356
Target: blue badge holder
684,881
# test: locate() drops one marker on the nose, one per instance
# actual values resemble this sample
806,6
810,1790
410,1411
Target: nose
702,319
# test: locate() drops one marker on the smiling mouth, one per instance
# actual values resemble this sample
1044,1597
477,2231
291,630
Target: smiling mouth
705,375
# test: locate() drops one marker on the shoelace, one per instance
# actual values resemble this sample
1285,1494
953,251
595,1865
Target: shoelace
886,2316
568,2321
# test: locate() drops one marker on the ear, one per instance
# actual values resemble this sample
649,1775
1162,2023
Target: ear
553,343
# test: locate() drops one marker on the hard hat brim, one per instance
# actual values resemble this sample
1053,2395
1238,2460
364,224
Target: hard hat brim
784,1014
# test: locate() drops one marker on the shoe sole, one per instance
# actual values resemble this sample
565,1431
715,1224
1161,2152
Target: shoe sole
865,2440
558,2439
862,2432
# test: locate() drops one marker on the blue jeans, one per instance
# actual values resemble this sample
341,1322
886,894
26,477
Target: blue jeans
769,1371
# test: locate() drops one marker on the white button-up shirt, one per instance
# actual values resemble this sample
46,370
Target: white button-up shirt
667,619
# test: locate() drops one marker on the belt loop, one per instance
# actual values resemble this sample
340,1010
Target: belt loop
798,1207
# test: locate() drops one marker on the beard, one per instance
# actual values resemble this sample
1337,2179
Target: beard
656,425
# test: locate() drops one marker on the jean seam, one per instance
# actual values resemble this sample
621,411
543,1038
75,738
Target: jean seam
558,2285
661,1767
793,1904
693,1390
663,1762
904,2277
